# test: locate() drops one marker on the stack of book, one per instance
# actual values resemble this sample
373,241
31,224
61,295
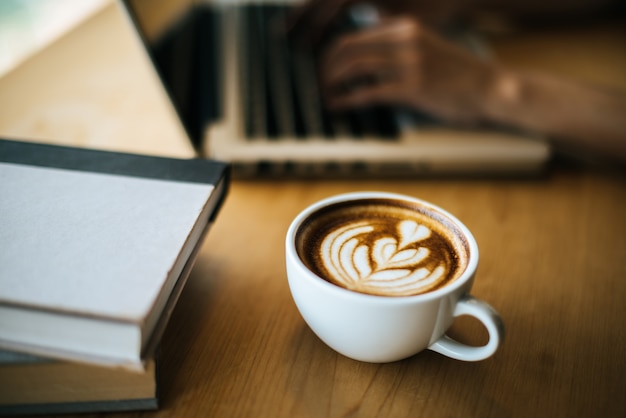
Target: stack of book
38,385
95,249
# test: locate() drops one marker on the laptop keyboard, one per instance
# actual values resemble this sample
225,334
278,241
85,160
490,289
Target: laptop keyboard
280,91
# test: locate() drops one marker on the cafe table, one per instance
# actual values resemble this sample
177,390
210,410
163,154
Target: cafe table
552,263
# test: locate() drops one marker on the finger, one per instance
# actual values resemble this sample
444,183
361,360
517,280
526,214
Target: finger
389,37
352,59
351,73
352,45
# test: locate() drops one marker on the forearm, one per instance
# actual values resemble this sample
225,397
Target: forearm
570,114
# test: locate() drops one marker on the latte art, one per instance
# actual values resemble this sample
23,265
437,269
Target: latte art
385,265
382,247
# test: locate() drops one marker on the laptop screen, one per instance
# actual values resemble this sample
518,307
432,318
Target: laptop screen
181,39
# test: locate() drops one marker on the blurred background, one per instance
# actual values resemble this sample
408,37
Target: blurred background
28,25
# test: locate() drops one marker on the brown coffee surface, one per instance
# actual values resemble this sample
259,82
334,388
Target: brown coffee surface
383,247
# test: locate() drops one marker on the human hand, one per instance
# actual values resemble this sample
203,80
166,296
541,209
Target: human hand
401,62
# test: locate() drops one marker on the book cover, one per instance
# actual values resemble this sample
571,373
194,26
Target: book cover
36,385
96,246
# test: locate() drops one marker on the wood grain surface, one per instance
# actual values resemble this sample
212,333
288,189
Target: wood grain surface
552,263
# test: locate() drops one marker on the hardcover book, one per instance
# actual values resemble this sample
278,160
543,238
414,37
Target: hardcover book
36,385
96,247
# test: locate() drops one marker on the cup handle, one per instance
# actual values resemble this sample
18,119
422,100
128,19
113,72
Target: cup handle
468,305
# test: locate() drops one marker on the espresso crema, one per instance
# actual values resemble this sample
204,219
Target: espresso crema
382,247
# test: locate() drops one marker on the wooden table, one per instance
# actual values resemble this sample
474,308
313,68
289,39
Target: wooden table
553,263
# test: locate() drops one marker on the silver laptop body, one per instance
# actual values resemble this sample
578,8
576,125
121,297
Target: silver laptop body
250,97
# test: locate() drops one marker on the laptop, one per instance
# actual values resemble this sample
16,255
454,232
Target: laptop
247,95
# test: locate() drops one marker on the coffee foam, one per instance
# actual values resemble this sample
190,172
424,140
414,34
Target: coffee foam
382,247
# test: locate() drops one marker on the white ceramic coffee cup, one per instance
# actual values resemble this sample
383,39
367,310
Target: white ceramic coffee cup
382,329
